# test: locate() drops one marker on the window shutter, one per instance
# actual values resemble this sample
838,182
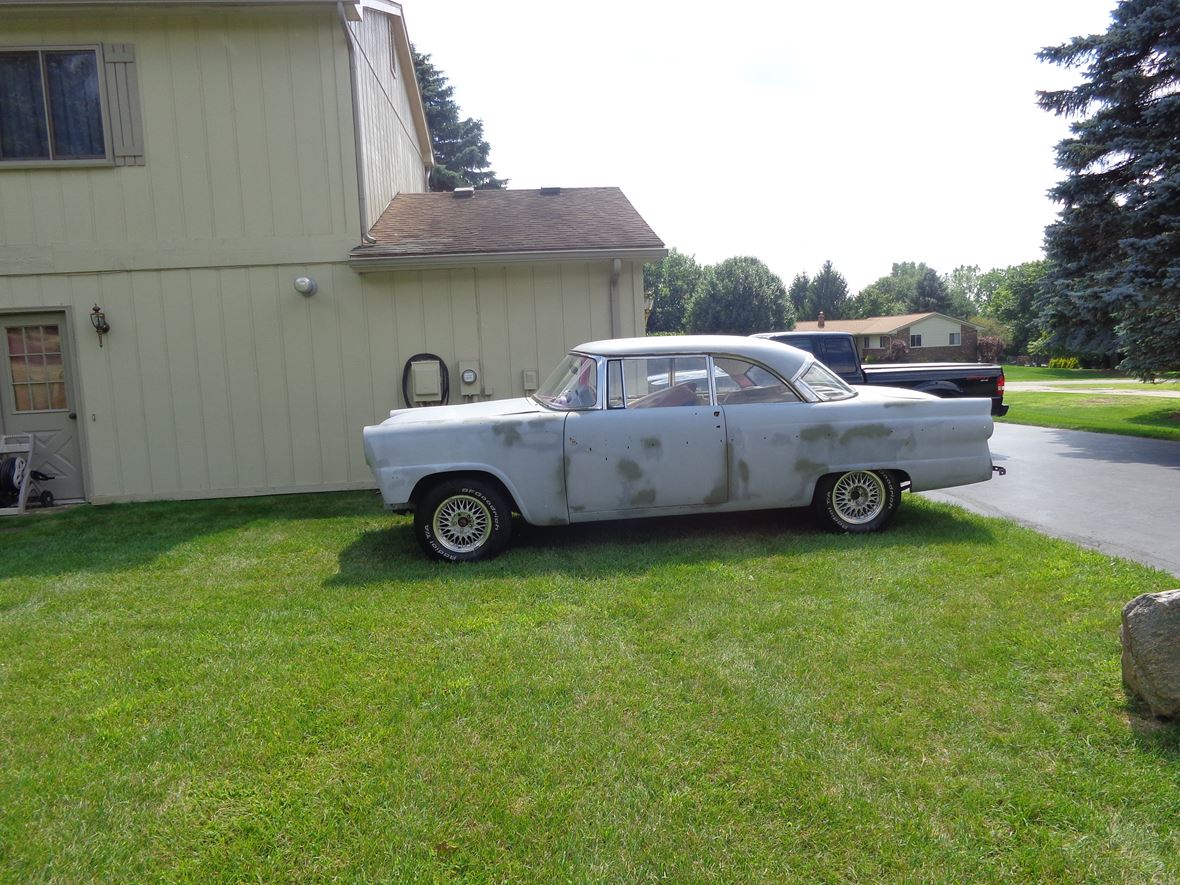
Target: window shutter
126,123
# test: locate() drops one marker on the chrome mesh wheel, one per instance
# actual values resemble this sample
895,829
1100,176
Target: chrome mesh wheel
462,523
858,496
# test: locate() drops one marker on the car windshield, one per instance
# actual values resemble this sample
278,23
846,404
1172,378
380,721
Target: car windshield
572,386
825,384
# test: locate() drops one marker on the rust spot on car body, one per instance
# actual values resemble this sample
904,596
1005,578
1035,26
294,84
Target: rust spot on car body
644,498
743,472
807,466
811,434
629,469
865,431
718,495
508,432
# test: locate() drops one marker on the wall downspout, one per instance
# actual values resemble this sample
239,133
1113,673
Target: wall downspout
616,320
361,195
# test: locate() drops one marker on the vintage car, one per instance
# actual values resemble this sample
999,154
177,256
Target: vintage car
672,425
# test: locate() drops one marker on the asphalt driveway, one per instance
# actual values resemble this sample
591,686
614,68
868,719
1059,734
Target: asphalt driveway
1116,494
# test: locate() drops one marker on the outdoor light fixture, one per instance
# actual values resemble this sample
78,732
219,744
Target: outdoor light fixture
98,319
306,286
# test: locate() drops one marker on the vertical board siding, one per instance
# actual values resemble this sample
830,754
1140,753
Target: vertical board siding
243,147
220,381
393,157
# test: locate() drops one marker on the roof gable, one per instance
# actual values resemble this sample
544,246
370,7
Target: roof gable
877,325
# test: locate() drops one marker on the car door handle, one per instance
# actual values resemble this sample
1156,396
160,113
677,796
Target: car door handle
73,416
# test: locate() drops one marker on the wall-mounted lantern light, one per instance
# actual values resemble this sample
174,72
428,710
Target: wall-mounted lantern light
306,286
98,319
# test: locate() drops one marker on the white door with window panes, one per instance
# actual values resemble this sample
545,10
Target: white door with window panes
36,397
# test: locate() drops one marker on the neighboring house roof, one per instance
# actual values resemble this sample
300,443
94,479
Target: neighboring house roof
429,228
876,325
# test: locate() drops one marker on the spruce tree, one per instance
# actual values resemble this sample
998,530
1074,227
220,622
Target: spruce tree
460,150
1114,283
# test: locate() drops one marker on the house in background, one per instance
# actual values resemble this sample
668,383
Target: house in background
931,336
239,187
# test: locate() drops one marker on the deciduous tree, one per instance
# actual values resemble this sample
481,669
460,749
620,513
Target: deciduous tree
671,283
739,296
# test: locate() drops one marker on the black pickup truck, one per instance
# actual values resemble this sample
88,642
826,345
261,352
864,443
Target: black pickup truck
837,351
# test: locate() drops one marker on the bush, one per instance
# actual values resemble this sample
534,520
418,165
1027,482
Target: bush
1064,362
897,351
991,348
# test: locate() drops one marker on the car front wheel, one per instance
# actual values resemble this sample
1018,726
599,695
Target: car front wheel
463,520
858,500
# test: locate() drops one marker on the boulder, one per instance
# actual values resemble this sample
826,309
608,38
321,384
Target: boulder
1151,650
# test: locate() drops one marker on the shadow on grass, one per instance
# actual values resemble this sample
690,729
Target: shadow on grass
632,546
1157,736
118,537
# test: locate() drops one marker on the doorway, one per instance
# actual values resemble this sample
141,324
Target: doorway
37,397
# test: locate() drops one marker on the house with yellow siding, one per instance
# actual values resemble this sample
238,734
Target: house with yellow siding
237,192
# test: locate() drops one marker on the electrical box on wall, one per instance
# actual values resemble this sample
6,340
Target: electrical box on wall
425,381
528,378
470,378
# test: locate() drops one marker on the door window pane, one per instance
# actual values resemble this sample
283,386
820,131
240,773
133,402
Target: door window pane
665,382
36,368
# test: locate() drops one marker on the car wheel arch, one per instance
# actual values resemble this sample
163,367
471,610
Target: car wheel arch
426,483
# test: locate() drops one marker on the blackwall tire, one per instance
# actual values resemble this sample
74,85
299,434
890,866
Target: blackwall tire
463,520
858,500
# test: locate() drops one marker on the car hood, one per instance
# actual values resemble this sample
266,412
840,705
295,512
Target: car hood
500,408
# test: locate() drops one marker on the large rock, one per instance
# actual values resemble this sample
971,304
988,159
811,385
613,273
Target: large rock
1151,650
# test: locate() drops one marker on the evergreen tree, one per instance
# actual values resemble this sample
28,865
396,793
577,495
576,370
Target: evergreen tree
828,292
930,293
671,282
1115,283
798,293
460,150
739,296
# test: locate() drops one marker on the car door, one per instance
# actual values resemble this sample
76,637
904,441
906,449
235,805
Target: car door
659,444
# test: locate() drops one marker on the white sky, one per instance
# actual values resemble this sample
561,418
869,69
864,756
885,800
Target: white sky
861,132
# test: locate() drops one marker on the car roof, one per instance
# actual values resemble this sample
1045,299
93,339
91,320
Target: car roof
783,358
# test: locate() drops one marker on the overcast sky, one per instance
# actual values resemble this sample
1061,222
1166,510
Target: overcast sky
861,132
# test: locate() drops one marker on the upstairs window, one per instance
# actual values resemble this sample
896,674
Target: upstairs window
70,105
51,105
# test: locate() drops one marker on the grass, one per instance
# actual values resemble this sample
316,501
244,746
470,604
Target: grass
1040,373
1154,417
282,688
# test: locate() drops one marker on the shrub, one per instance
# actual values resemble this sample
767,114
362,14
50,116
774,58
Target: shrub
1064,362
991,348
897,351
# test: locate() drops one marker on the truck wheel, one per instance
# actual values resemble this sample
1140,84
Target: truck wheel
463,520
857,501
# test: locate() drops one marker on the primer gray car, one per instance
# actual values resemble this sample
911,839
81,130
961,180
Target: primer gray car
645,427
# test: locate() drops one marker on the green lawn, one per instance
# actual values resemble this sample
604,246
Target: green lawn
283,689
1155,417
1036,373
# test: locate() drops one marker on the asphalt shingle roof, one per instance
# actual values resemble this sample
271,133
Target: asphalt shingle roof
494,221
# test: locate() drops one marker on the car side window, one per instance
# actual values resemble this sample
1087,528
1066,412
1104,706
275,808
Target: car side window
838,356
614,385
665,382
740,382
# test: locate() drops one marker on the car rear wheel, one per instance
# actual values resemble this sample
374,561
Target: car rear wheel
858,500
463,520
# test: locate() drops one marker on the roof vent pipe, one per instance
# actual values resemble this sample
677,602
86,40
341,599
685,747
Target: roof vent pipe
821,319
464,193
